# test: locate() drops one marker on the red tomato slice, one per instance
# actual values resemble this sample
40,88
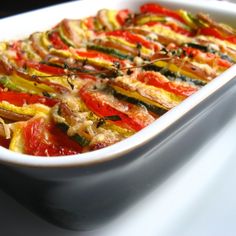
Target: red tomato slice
153,79
56,41
122,16
52,70
216,33
95,102
44,139
231,39
89,22
19,99
86,76
224,63
157,9
99,55
132,38
211,32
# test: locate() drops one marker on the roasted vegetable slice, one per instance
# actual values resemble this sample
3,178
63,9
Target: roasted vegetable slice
20,99
85,128
160,10
17,83
122,114
42,138
158,80
16,113
130,86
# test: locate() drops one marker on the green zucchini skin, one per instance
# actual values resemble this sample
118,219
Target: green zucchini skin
197,46
155,109
173,76
7,83
110,51
204,48
82,141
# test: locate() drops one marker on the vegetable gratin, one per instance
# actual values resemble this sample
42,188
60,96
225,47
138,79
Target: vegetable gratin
86,84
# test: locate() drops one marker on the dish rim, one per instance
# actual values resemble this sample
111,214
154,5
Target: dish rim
141,137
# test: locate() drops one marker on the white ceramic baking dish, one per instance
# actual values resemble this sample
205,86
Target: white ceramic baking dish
84,190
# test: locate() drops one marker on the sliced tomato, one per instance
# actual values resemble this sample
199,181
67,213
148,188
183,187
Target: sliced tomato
132,38
231,39
48,69
153,79
157,9
122,16
97,104
179,29
224,63
19,99
99,57
89,22
210,31
44,139
57,41
191,52
86,76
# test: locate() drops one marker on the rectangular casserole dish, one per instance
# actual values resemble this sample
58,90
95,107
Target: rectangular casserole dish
83,191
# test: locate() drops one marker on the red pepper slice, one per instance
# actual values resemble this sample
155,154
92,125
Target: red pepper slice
211,32
44,139
231,39
153,79
56,41
95,54
89,22
132,38
19,99
96,104
52,70
179,29
122,16
98,55
216,33
191,52
224,63
86,76
157,9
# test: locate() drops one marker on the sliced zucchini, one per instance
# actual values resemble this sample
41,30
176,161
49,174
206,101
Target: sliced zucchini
111,51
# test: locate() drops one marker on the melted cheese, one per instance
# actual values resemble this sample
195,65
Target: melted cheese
146,93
